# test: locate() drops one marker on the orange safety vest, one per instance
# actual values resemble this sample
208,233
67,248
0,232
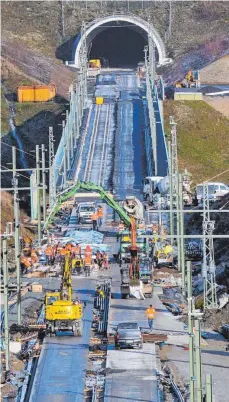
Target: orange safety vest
100,212
87,260
94,216
63,251
26,262
150,313
68,247
48,251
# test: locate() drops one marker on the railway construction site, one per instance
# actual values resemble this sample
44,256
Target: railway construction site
122,292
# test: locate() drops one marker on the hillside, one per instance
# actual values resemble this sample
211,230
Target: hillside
203,138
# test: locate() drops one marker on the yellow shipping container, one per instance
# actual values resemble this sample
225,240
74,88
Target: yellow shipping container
192,96
99,100
36,93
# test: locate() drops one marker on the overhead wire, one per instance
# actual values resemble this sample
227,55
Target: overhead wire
4,167
11,146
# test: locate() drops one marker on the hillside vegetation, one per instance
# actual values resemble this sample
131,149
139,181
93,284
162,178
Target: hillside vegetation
203,138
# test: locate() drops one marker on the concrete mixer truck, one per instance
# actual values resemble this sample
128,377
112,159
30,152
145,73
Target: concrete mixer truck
160,185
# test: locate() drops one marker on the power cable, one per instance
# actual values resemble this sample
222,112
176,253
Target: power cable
4,167
27,153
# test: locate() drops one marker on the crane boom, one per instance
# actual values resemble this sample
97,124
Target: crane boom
87,186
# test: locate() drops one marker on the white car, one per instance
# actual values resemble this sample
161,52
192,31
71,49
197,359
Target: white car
84,212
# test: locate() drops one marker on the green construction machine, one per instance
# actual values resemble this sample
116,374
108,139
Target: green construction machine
87,186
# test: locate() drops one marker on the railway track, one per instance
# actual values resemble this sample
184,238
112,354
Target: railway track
87,172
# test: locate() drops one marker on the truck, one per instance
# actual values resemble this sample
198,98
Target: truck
125,244
155,185
62,313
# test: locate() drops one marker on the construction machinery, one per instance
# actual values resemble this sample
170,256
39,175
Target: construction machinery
163,255
62,313
191,79
95,63
132,206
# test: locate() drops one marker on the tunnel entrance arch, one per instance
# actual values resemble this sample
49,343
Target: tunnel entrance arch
137,23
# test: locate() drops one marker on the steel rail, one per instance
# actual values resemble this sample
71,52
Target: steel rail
104,149
77,170
91,159
92,144
106,153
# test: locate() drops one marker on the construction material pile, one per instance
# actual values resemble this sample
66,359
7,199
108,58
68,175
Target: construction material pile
95,376
83,236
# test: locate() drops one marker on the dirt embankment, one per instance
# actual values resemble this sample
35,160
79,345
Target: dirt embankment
217,72
37,66
7,214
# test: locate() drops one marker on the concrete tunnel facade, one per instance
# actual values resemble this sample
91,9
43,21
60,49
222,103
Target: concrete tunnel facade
135,23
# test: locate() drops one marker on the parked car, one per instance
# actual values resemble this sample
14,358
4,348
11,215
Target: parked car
224,330
128,334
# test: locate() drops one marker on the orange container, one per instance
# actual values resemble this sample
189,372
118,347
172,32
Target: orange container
36,93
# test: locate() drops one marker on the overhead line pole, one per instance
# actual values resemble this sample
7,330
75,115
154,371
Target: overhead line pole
6,306
43,181
38,194
17,234
190,333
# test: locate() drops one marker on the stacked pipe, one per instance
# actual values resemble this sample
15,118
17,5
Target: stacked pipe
95,377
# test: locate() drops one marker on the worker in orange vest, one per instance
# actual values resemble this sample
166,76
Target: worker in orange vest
34,257
68,247
100,215
150,314
76,250
87,260
49,254
94,218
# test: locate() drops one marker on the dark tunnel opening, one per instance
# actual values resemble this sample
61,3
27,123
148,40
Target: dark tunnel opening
118,47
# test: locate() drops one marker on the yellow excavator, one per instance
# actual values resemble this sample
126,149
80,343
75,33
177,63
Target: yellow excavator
62,313
189,80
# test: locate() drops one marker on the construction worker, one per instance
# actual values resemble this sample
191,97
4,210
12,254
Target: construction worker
105,261
87,260
68,247
63,253
76,250
99,258
94,218
34,257
25,263
150,314
49,254
100,215
100,292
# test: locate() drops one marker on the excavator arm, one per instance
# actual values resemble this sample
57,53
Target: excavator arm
87,186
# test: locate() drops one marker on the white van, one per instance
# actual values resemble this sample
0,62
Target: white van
215,191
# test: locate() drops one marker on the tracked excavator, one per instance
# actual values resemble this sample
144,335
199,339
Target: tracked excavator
62,313
129,213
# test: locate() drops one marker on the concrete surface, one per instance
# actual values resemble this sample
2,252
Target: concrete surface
132,373
60,374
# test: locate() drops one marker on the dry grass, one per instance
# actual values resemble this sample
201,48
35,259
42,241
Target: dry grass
203,138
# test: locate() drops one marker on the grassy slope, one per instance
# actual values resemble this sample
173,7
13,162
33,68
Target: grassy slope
203,138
